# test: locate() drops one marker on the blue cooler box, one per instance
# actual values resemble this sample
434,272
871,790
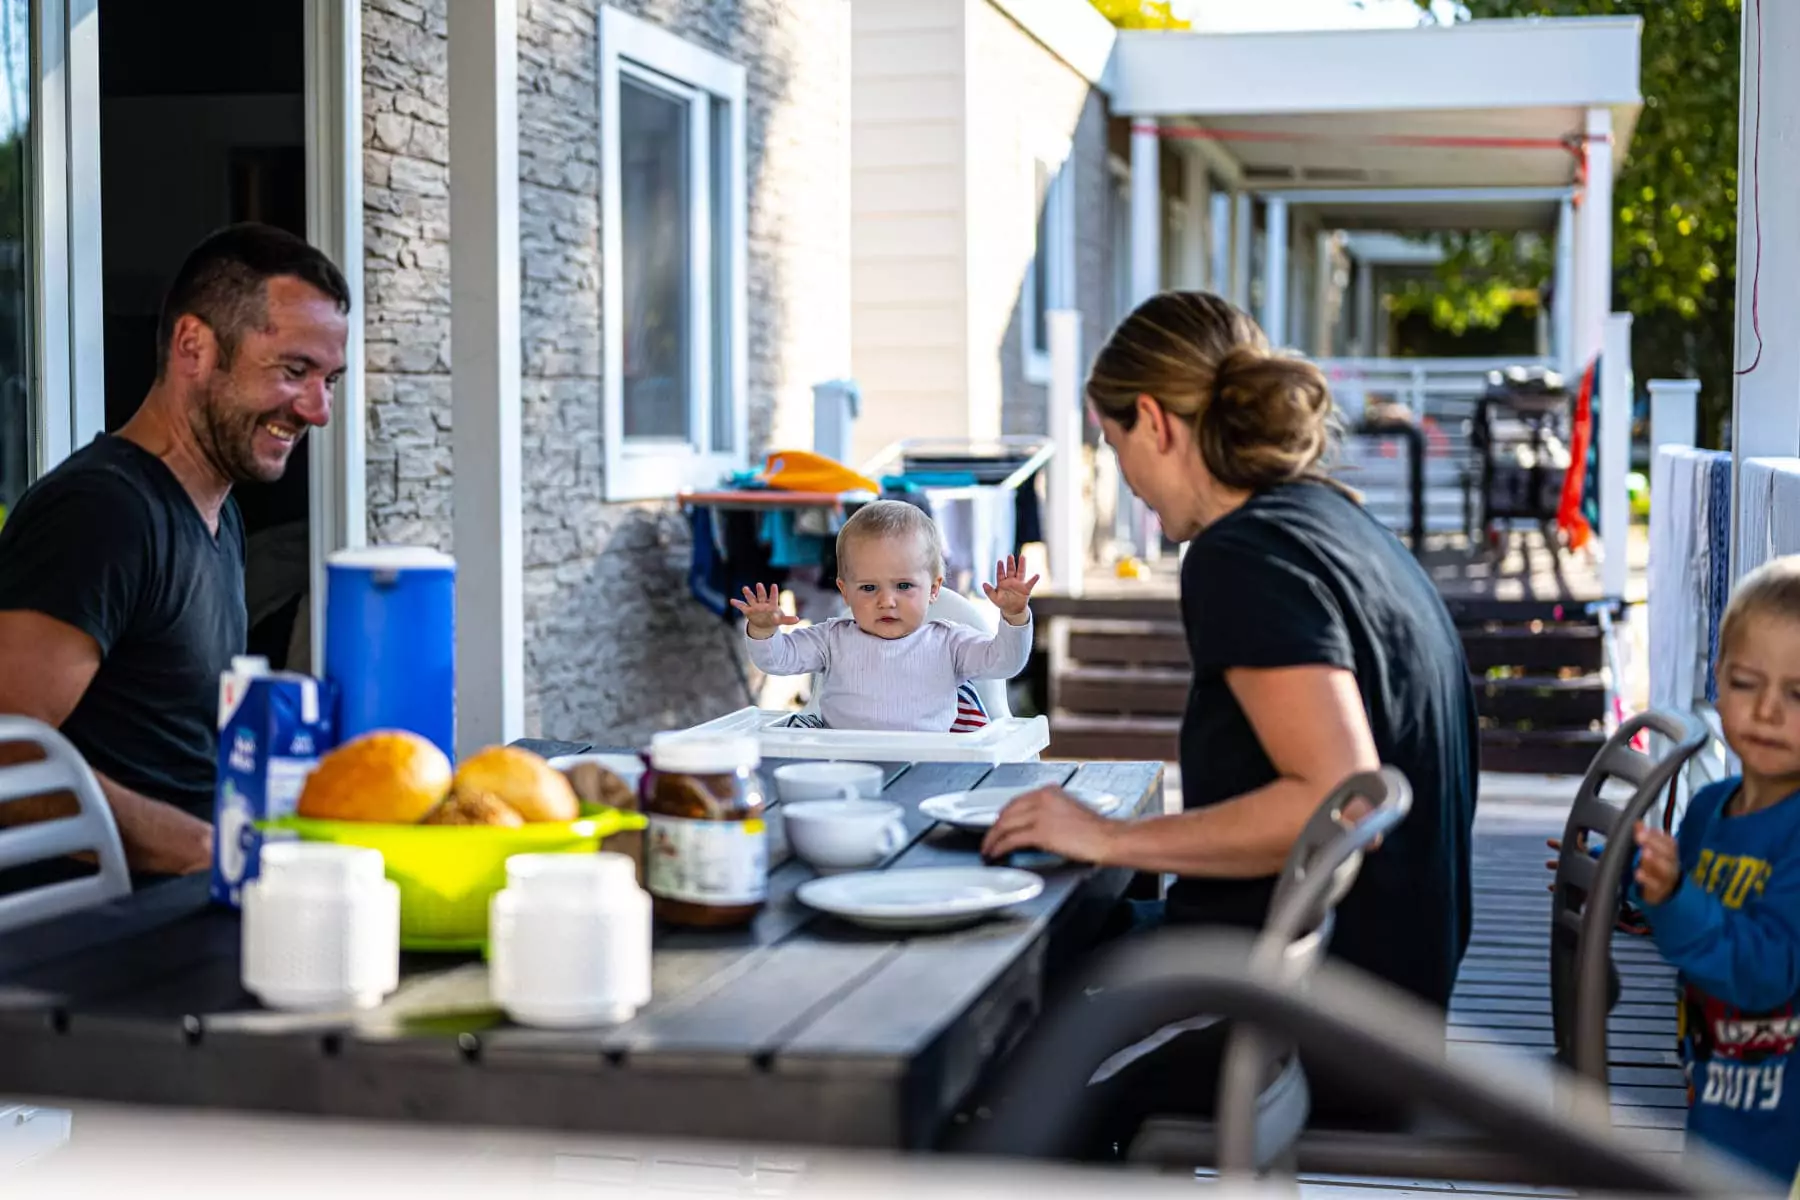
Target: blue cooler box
390,641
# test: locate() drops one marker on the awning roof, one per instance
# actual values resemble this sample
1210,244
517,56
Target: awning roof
1479,105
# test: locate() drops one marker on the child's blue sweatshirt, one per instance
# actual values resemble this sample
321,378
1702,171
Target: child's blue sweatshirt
1732,930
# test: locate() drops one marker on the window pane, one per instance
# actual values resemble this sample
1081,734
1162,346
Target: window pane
655,193
1040,269
16,383
724,431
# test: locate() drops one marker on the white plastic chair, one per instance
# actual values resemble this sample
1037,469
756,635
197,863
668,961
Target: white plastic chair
958,609
90,829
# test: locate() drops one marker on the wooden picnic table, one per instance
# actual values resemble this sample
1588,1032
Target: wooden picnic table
799,1029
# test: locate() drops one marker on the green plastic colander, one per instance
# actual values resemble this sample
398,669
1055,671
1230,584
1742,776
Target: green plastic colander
448,873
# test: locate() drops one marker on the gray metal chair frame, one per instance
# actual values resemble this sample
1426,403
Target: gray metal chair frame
1585,908
91,829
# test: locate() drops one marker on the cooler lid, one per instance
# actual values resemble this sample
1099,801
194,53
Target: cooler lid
391,558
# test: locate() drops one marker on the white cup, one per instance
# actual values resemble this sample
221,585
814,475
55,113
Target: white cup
320,928
569,940
828,781
844,835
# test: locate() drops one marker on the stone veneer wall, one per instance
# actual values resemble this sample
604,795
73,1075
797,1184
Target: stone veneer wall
615,647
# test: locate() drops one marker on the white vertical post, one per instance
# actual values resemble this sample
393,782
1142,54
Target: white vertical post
87,317
1068,549
1365,308
1674,413
1146,211
1323,324
1615,454
338,516
1765,407
1218,279
1243,233
484,361
1562,293
1195,247
1594,294
1275,271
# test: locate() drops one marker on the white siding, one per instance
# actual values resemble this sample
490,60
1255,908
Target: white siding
908,300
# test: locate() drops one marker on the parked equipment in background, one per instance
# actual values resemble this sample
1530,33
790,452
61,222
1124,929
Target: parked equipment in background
1521,430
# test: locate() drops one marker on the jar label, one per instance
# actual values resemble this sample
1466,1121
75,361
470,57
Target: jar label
708,862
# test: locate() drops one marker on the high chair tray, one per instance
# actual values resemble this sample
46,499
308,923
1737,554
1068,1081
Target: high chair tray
1010,739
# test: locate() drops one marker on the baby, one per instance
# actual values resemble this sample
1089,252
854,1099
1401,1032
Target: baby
889,665
1723,897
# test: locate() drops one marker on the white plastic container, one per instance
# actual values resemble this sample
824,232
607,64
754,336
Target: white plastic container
569,941
321,928
1008,739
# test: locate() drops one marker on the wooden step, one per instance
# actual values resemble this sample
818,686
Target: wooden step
1541,650
1545,701
1152,691
1149,643
1133,739
1539,751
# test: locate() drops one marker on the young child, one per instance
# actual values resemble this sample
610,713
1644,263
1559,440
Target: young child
887,666
1723,901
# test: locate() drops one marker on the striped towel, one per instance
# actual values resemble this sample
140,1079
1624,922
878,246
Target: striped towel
970,714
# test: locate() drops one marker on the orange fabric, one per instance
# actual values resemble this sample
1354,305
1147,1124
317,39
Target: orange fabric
804,471
1568,509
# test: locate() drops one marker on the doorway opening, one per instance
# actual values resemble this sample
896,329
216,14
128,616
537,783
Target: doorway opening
203,124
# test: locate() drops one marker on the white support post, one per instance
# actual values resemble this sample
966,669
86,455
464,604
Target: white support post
1218,275
338,517
1243,233
1275,271
1562,291
1146,211
1593,295
1365,309
1197,206
1674,413
1068,548
484,361
1615,455
1765,407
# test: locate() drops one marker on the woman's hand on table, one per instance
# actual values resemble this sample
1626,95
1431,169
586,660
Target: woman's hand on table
1049,819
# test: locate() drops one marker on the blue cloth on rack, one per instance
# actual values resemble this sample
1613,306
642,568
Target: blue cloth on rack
788,547
1718,540
706,575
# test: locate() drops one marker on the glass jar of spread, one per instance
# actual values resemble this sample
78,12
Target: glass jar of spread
706,849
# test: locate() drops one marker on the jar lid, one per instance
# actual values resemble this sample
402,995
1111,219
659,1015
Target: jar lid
702,754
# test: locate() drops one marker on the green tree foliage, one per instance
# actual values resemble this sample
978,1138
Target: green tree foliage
1140,14
1675,228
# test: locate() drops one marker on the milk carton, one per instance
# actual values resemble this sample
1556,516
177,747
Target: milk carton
273,726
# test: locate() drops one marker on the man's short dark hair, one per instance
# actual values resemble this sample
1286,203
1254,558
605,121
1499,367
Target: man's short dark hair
225,279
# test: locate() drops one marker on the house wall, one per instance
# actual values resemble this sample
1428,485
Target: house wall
1025,102
909,298
608,613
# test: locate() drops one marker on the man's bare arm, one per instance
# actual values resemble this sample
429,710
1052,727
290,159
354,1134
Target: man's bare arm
45,668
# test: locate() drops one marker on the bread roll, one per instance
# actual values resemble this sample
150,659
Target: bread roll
386,776
529,785
476,808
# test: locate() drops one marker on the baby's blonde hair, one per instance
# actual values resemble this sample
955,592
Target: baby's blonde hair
1772,590
892,519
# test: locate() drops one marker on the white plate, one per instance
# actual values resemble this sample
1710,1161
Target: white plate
980,808
922,898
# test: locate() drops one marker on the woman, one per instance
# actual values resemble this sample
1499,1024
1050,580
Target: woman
1319,648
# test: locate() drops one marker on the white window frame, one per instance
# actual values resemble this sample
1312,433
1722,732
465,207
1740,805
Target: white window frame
1057,260
644,468
69,405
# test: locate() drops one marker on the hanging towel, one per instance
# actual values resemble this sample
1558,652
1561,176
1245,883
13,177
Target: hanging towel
1768,520
1674,598
1784,507
1718,565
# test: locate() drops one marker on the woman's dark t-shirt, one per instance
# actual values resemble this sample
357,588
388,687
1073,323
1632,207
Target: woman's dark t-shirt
1301,575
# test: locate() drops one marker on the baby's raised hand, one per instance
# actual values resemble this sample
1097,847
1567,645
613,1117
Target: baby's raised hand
762,610
1011,591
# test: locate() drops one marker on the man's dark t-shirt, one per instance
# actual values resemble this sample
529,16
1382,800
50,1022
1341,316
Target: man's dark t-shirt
110,543
1301,575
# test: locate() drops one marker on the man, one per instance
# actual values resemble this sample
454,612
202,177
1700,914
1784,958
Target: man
122,570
